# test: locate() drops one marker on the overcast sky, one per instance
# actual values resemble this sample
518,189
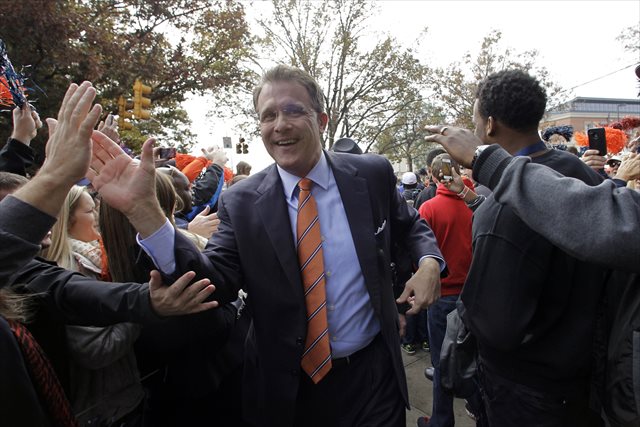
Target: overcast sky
576,41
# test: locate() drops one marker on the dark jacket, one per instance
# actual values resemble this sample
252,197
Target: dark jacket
531,305
16,157
64,296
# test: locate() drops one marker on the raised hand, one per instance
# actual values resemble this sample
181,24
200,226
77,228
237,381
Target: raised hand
204,224
215,155
629,168
127,184
26,123
594,160
109,127
68,151
456,184
460,143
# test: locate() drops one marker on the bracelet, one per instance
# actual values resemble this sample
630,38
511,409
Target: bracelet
462,194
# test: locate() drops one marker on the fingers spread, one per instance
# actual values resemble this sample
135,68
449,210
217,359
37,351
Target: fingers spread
178,286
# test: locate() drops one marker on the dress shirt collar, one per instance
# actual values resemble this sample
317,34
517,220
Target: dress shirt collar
319,175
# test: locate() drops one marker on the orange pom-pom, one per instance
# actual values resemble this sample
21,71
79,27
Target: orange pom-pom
616,139
228,174
6,98
581,139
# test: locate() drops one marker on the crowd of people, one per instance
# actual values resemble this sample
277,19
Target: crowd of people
165,290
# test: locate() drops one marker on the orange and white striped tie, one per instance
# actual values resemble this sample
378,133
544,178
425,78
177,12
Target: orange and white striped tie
316,359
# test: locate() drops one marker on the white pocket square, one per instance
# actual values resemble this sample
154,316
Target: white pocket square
379,230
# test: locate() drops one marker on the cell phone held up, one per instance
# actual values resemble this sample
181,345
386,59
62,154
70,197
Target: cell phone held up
597,140
446,170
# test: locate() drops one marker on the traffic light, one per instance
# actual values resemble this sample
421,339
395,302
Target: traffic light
140,102
245,148
239,148
124,106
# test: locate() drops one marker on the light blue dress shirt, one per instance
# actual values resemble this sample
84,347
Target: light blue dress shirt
352,323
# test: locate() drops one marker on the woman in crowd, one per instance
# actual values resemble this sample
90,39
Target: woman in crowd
105,386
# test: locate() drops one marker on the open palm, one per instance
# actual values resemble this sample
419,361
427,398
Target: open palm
124,183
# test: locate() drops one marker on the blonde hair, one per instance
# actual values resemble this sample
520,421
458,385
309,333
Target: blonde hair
16,306
170,203
60,250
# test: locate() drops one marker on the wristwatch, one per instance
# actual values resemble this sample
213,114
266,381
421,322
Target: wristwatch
479,150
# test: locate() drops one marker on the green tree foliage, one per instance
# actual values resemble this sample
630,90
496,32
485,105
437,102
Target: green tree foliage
403,140
113,42
364,88
455,86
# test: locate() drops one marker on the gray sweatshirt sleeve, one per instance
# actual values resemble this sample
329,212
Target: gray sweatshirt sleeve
598,224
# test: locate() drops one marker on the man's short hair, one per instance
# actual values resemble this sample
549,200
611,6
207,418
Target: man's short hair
512,97
286,73
243,168
11,181
432,155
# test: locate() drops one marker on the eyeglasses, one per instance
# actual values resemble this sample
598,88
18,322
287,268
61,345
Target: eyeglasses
289,112
614,164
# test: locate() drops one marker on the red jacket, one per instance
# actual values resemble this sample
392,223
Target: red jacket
450,219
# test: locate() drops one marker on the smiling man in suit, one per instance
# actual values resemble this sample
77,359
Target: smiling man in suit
308,238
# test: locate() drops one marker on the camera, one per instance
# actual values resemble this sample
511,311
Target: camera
446,170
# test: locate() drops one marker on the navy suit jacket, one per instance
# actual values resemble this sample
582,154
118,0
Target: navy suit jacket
253,249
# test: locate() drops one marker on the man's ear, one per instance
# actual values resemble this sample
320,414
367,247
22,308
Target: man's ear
491,125
323,119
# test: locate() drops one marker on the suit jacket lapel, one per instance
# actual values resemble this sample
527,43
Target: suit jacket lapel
357,205
272,208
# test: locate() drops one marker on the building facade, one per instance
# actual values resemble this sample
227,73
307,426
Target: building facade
585,113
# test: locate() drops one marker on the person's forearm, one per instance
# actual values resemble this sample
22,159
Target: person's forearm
205,187
46,191
599,224
147,218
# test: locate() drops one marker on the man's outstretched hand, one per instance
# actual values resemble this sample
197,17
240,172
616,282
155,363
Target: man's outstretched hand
127,184
180,298
460,143
423,288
